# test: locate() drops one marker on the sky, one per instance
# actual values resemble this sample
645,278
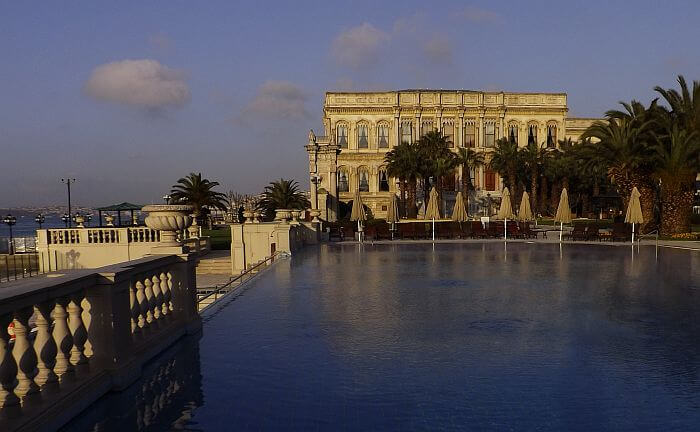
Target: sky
126,97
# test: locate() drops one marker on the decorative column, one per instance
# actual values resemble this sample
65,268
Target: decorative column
24,354
397,127
8,367
480,131
44,345
418,124
460,129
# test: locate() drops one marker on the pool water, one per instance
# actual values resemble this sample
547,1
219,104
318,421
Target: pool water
459,336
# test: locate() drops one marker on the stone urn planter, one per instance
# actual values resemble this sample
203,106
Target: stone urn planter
247,216
110,220
169,220
315,214
283,215
296,215
79,222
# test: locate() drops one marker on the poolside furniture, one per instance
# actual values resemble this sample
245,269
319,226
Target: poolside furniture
423,230
457,229
371,233
620,232
578,233
513,230
383,231
443,230
407,231
527,231
335,233
495,229
348,232
478,231
593,233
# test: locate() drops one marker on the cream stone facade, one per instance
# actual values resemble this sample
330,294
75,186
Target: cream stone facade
361,127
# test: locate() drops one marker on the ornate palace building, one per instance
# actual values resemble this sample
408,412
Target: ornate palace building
360,127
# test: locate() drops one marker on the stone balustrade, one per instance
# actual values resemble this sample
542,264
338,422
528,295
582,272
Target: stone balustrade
67,340
76,248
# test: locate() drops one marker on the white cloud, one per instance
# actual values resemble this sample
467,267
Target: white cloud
478,15
138,83
278,99
360,46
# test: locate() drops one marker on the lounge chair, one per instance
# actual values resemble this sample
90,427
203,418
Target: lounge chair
422,230
347,232
593,233
621,232
335,233
407,231
579,232
370,233
478,230
383,232
443,230
495,229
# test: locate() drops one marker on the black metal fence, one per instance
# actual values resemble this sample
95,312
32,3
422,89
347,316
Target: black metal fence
18,266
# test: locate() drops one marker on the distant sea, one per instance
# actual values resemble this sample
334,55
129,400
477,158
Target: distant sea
26,227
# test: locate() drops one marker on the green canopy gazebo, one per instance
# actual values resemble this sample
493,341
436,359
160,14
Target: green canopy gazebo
119,208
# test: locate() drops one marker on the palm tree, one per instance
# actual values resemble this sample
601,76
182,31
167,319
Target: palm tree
403,163
435,159
469,160
282,194
199,193
685,105
677,163
624,149
505,160
532,158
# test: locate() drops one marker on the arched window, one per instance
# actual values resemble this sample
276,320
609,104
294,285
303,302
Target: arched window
406,132
362,136
342,136
448,129
343,183
532,133
513,132
363,180
469,134
489,134
383,136
383,180
551,135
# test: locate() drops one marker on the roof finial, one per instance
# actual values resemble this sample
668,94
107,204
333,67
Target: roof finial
312,137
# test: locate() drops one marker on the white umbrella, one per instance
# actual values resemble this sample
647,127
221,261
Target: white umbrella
358,213
432,211
634,210
506,211
563,212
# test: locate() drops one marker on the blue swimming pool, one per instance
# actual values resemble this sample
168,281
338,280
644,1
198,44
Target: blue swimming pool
476,336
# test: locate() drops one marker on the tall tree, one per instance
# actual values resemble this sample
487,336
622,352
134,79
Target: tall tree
282,194
531,157
198,192
469,160
505,160
435,156
403,163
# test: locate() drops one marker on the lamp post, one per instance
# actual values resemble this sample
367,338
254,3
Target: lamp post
10,220
68,182
40,219
88,218
65,218
166,198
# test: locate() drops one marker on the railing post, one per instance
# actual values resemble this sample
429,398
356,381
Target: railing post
184,291
109,330
8,367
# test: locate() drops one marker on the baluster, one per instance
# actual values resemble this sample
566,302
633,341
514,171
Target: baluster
170,291
63,339
77,329
44,345
24,354
141,303
149,300
134,309
157,297
8,367
167,294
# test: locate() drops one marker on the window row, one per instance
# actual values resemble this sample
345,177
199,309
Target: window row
362,180
490,132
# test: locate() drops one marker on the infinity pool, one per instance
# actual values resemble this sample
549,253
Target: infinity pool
475,336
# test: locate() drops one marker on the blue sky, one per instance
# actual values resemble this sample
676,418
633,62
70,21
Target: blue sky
129,96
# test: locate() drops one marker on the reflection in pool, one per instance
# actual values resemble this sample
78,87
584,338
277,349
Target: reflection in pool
449,337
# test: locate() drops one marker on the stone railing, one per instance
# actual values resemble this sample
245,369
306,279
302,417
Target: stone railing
76,248
67,340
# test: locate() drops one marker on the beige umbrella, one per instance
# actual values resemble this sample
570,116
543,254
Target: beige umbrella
358,212
459,214
634,210
525,212
563,212
392,214
506,211
432,211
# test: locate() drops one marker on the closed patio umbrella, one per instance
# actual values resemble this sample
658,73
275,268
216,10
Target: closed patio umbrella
506,211
634,210
459,214
392,214
525,211
432,211
358,212
563,212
